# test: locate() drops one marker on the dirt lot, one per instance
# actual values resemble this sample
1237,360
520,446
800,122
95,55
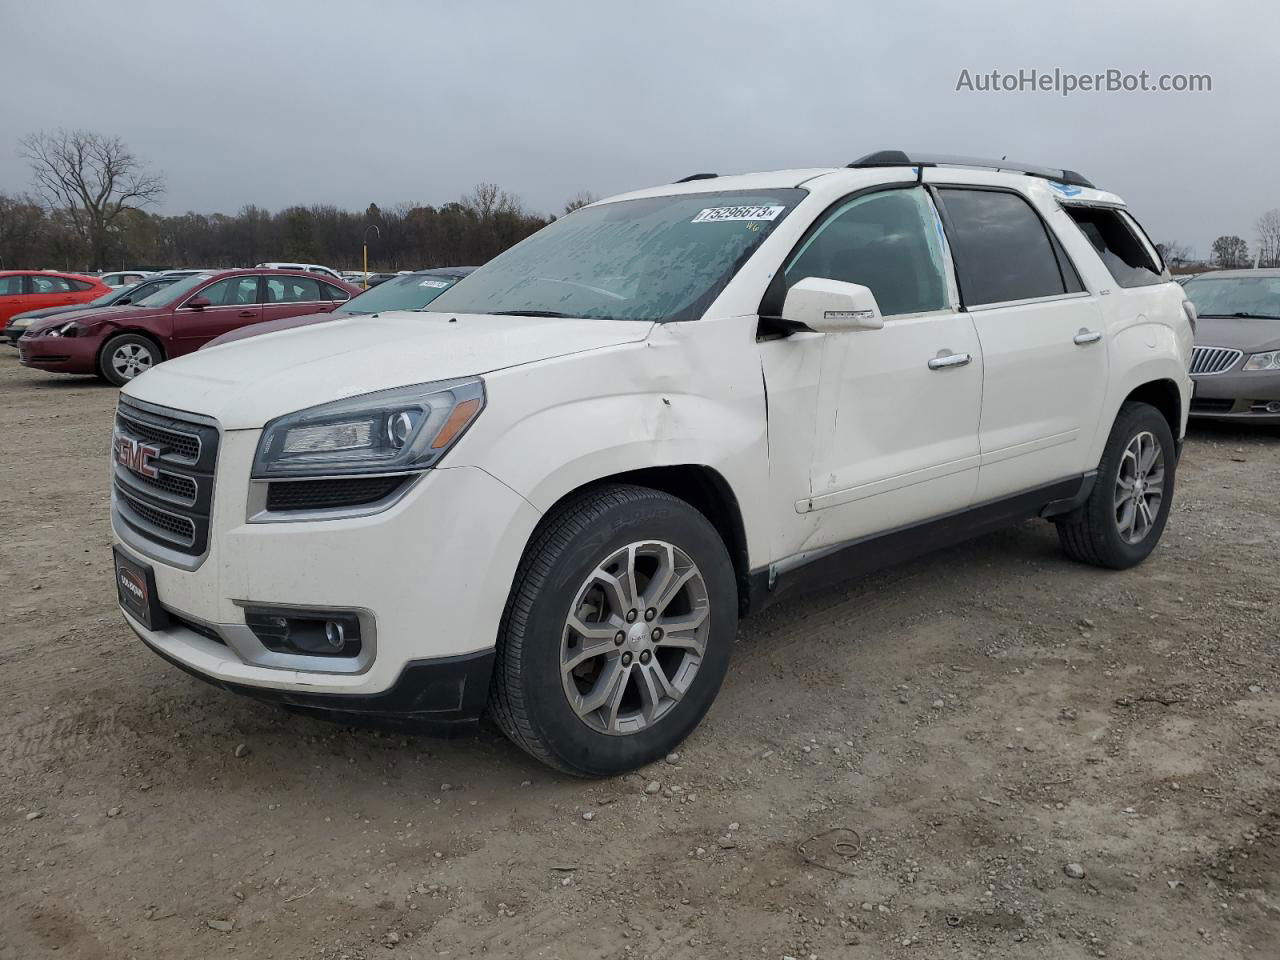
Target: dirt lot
978,720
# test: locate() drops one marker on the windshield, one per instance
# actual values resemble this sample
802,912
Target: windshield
410,292
1228,296
657,259
174,292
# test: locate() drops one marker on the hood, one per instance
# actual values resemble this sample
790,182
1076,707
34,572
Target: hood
270,326
100,315
1251,336
48,312
246,383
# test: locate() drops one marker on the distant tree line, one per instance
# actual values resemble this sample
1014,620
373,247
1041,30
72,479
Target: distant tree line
1229,251
88,212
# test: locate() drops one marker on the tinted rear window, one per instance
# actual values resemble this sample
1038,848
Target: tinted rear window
1118,245
1001,247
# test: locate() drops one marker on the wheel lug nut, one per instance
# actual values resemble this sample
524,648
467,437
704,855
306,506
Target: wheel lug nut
650,613
619,638
656,634
631,616
644,657
626,659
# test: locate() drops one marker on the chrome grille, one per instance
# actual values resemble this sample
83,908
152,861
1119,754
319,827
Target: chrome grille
171,509
1206,361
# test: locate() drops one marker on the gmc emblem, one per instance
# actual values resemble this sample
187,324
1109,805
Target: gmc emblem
137,456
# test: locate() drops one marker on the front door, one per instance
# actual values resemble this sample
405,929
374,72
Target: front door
896,440
233,303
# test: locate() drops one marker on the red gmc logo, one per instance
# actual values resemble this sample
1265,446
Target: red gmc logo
137,456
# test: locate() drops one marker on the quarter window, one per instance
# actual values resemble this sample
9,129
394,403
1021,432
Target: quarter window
232,292
886,241
1125,256
292,289
334,293
1002,248
79,285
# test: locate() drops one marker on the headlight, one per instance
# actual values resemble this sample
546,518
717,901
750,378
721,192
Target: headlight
23,322
71,329
1264,361
404,430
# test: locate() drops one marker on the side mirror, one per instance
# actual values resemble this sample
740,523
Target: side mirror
832,306
198,303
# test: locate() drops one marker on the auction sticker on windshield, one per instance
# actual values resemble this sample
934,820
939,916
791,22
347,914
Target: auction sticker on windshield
719,214
438,284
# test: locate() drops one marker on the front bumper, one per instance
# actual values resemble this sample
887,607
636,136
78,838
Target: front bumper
431,572
1238,396
60,354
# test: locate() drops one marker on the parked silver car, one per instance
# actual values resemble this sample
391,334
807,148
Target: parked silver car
1236,362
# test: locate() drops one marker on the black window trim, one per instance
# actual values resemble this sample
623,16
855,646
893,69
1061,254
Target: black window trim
1050,235
771,324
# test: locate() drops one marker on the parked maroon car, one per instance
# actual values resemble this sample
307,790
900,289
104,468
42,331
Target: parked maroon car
118,343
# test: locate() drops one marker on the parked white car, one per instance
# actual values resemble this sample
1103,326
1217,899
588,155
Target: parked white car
554,494
308,267
125,278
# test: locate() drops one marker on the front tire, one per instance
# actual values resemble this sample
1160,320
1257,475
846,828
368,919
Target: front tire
617,633
125,356
1121,522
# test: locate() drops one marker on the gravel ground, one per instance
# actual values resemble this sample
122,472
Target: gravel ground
991,752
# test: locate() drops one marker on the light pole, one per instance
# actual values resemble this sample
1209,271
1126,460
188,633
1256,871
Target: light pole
374,228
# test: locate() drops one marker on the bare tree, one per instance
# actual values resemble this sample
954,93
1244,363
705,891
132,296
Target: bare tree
92,178
1268,227
581,199
1174,253
1230,252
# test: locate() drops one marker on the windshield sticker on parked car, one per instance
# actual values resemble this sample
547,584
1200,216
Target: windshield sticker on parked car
439,284
719,214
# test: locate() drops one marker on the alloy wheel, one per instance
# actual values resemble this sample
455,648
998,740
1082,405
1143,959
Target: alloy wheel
130,359
1139,487
634,638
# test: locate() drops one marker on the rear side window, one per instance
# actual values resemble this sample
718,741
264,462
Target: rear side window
1002,249
10,286
1115,238
333,293
887,242
79,285
50,285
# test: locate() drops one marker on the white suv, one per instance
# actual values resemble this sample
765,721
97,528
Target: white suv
553,494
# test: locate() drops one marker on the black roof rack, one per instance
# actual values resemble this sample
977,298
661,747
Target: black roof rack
899,158
698,176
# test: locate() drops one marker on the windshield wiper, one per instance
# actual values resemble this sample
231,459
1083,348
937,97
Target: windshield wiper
536,313
1242,314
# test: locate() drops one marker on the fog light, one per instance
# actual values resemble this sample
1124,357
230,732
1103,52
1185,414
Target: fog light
313,633
334,633
1273,406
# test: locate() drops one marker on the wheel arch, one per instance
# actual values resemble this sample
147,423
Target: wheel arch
702,487
1164,396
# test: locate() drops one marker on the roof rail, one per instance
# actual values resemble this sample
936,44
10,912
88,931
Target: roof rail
899,158
698,176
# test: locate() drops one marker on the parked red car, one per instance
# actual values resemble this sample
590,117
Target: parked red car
23,290
118,343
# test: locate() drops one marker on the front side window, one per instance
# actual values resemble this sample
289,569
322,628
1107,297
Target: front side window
1002,248
232,292
885,241
1124,254
658,259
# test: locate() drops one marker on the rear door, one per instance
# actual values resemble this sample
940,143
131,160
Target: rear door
1045,362
897,408
233,303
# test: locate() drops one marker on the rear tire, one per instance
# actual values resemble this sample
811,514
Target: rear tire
1121,522
573,634
127,355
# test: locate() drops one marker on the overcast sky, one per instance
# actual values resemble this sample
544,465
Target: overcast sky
278,103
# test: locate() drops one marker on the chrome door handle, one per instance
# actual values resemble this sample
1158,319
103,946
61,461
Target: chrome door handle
954,360
1086,336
